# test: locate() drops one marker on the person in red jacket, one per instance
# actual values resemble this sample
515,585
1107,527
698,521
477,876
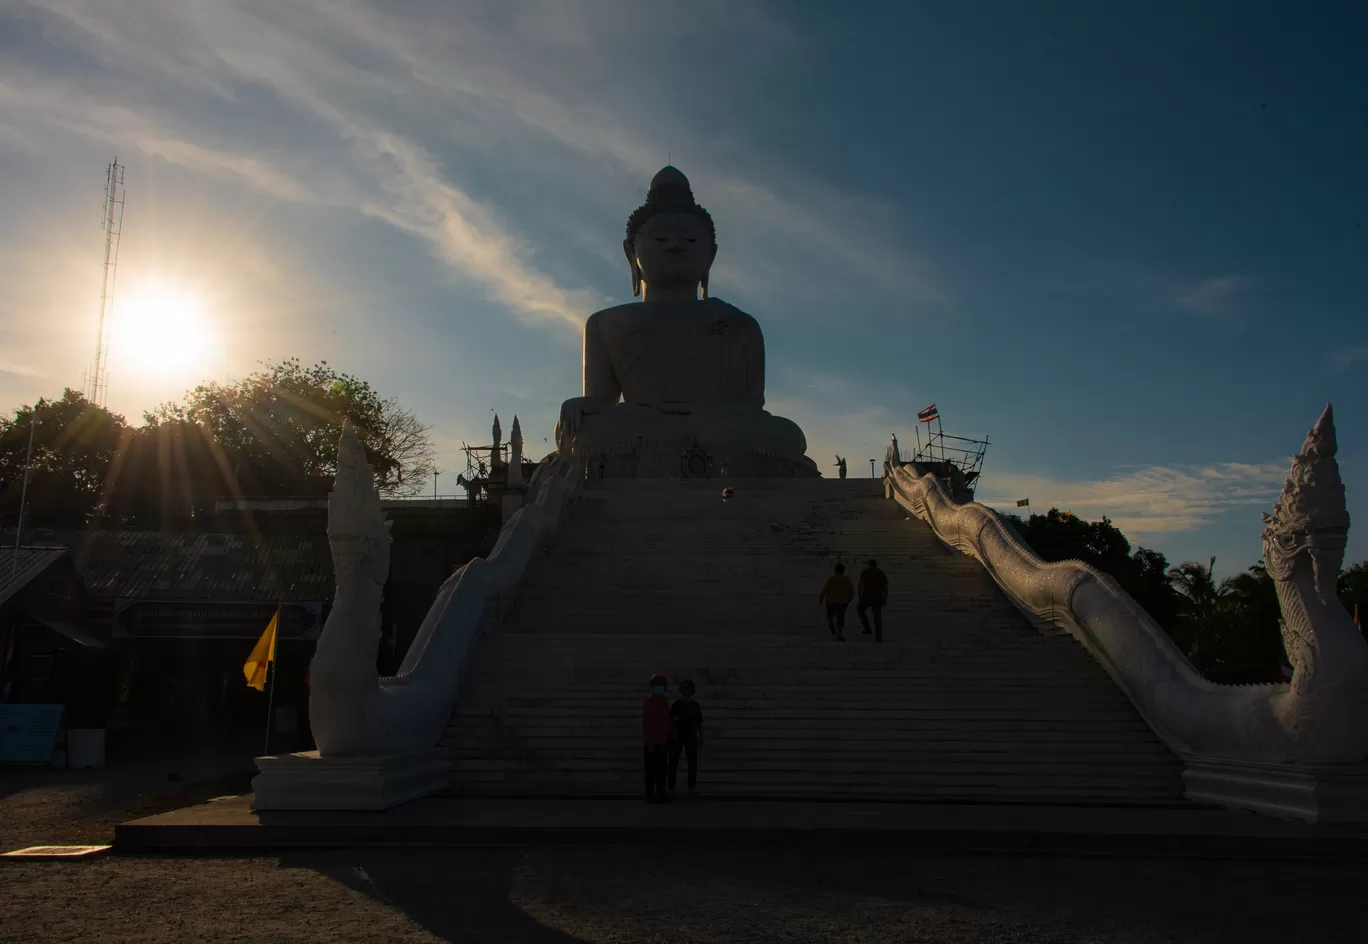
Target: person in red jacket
655,740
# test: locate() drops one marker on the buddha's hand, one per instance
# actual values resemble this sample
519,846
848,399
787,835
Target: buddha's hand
572,416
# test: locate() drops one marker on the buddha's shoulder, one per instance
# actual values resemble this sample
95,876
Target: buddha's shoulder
720,309
630,313
615,315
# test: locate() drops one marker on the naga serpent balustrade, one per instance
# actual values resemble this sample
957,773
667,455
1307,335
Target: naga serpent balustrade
1319,717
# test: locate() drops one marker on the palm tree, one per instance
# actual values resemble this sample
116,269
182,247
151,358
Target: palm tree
1202,598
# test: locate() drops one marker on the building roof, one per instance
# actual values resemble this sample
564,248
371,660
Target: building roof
18,567
286,568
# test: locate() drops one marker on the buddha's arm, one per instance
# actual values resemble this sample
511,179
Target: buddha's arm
755,373
600,383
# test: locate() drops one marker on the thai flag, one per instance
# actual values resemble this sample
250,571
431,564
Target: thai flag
928,414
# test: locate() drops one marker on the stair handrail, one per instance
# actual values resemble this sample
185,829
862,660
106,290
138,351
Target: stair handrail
352,709
1319,717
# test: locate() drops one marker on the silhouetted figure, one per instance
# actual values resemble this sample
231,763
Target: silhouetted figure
873,596
837,595
840,467
655,740
686,734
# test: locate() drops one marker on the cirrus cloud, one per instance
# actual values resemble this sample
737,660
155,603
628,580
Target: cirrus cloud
1150,500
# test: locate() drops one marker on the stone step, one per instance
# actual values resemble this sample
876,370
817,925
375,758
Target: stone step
887,778
608,645
852,767
852,719
819,697
800,748
937,792
737,668
945,736
747,695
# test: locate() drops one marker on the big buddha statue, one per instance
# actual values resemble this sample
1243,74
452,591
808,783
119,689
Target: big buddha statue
674,385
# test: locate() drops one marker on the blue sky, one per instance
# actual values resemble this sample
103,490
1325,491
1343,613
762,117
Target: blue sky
1127,244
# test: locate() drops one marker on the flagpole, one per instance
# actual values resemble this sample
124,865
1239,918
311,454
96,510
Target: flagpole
273,670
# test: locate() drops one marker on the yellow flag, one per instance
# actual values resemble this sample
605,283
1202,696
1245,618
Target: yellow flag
263,654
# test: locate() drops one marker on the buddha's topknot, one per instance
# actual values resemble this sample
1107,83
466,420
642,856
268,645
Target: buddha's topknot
669,193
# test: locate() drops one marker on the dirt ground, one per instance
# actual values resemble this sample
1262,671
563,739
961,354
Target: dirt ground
607,895
41,805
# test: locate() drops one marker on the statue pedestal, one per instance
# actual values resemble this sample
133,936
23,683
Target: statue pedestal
1328,793
306,781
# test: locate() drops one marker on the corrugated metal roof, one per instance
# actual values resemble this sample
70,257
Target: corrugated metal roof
15,575
290,568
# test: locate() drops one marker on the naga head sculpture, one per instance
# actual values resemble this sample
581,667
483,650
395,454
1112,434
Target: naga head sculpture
358,533
1310,515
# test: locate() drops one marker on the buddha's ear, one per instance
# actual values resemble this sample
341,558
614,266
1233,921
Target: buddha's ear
711,259
627,249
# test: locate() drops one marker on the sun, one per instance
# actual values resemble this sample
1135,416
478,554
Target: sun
163,332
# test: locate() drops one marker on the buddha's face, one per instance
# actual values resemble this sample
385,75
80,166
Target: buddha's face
673,250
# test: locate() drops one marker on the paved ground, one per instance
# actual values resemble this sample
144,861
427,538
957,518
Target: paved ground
229,826
608,895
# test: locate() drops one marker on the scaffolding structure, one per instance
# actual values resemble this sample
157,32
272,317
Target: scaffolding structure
949,454
97,378
484,464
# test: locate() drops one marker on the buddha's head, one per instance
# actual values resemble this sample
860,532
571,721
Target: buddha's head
671,242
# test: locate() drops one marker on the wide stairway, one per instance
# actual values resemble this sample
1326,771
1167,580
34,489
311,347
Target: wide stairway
963,701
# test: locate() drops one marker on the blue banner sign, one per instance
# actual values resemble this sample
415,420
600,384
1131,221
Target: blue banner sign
28,733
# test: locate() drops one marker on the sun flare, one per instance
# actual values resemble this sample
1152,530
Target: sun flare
163,332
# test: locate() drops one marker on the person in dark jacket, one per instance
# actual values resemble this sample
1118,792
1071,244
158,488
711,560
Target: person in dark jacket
655,740
686,734
873,593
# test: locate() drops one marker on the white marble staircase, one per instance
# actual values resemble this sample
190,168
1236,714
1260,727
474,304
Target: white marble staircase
964,700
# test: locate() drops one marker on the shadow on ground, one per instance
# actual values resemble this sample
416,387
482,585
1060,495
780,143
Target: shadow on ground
463,895
610,894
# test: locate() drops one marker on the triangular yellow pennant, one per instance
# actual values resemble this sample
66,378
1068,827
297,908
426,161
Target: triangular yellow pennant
263,654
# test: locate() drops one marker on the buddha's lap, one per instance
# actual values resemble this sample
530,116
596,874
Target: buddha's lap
710,426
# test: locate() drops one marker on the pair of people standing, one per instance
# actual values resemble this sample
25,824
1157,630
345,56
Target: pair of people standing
873,594
668,732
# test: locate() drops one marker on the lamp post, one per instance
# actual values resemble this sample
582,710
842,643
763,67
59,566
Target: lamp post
435,473
871,468
23,493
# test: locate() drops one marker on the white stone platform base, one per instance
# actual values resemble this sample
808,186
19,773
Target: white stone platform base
306,781
1325,794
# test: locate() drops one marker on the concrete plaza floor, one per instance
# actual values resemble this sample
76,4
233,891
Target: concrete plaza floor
231,825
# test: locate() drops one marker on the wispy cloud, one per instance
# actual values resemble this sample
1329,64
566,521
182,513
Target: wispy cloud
394,93
1149,500
1219,295
1350,356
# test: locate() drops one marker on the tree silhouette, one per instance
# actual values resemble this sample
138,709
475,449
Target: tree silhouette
273,433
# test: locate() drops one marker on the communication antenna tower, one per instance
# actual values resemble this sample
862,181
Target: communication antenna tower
97,380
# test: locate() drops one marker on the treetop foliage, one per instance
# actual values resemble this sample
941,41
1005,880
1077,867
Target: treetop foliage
1228,628
272,433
